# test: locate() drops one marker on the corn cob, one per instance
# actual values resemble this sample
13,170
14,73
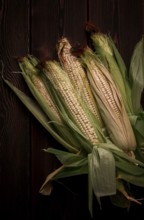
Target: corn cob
40,88
106,50
77,75
110,102
37,80
63,85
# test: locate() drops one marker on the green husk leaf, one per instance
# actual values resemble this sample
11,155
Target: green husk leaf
27,73
46,187
125,163
34,108
72,171
34,60
109,55
118,58
123,71
61,172
102,168
138,125
68,159
127,158
127,167
136,75
137,180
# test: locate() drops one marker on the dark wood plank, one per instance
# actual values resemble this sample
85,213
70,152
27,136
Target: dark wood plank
54,19
101,13
74,17
14,129
44,35
44,28
131,26
50,21
39,25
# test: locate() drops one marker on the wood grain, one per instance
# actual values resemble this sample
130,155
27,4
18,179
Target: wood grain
34,26
101,13
14,129
131,26
44,35
49,22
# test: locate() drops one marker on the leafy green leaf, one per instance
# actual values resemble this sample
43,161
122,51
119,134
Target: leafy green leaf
102,173
34,108
68,159
137,180
136,75
72,171
128,167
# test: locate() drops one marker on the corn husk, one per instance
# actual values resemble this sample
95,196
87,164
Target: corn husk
40,89
110,102
75,71
136,75
108,161
75,108
106,50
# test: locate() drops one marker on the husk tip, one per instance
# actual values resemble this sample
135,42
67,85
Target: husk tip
91,28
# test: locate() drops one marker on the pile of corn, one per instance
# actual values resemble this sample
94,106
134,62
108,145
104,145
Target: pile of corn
92,106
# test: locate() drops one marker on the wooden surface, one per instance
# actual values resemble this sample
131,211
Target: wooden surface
35,26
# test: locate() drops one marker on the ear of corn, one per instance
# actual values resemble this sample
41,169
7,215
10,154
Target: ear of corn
72,103
106,159
77,75
37,84
110,102
108,53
